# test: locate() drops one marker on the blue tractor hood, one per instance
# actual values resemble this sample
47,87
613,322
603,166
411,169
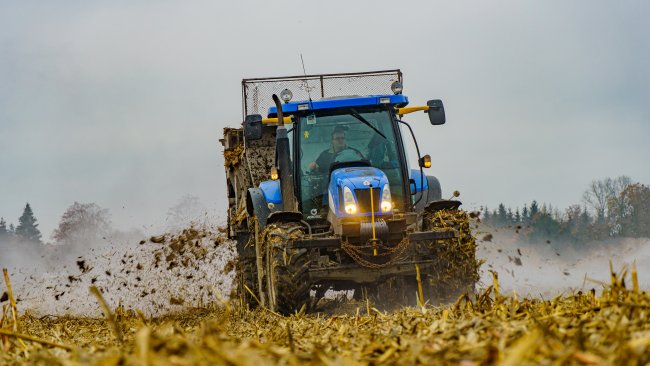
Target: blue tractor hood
359,177
355,178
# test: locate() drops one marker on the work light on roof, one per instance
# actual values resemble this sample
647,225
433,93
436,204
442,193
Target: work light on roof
286,95
396,87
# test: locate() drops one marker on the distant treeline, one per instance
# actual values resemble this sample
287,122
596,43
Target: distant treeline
609,208
88,223
81,222
26,231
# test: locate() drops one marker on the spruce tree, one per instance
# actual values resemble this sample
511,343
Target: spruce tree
502,216
3,226
3,229
27,228
534,209
524,215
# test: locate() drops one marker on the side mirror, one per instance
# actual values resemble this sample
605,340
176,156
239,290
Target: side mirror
253,127
436,112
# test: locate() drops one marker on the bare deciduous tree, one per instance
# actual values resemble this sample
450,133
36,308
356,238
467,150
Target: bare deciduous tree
83,223
188,210
600,192
630,211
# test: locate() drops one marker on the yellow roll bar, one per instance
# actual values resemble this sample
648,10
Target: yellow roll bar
275,120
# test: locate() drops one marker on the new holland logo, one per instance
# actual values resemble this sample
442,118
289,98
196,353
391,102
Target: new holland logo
366,183
314,214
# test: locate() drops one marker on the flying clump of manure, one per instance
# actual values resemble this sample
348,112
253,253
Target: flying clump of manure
189,266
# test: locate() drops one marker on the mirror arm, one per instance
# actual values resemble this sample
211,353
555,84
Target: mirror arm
407,110
417,149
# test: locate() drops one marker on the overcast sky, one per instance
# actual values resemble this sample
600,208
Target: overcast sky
122,103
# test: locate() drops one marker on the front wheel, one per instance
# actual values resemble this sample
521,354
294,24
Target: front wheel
287,269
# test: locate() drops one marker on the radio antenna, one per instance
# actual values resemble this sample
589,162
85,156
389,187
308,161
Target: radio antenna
305,73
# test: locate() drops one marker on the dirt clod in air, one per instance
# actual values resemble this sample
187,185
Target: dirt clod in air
176,301
487,237
83,266
157,239
515,260
230,266
475,215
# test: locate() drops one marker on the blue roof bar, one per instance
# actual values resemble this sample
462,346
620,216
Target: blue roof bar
290,107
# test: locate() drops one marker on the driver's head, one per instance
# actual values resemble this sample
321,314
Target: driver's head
338,138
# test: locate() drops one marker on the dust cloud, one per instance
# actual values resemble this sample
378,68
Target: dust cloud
547,269
157,275
195,265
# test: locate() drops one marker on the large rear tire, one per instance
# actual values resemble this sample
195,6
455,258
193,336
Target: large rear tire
247,282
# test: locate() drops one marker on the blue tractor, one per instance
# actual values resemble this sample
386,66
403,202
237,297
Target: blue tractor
322,197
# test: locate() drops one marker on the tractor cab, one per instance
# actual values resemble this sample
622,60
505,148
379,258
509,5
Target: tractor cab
338,162
340,152
348,162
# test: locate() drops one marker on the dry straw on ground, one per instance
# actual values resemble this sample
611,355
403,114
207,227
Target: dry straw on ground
578,329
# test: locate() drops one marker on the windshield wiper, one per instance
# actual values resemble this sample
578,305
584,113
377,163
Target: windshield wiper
356,115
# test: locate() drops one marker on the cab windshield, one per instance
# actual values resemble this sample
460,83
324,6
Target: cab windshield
345,136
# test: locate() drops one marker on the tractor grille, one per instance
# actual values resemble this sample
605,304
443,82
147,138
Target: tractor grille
363,199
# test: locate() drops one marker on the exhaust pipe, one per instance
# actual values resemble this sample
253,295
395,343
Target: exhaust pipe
283,161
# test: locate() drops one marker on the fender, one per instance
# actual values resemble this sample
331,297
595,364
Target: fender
416,178
256,205
432,193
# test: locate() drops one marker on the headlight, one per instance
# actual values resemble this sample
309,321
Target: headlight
386,201
349,203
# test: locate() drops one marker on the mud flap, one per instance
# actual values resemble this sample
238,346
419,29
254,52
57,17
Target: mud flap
433,207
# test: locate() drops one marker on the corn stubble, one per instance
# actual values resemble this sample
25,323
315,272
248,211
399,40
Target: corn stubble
580,329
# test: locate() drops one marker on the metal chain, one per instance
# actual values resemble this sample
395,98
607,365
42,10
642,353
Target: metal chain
356,252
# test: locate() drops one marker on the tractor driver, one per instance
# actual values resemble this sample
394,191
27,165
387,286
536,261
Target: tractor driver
327,157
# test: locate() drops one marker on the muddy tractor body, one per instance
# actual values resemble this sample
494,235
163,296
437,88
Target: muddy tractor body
322,197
